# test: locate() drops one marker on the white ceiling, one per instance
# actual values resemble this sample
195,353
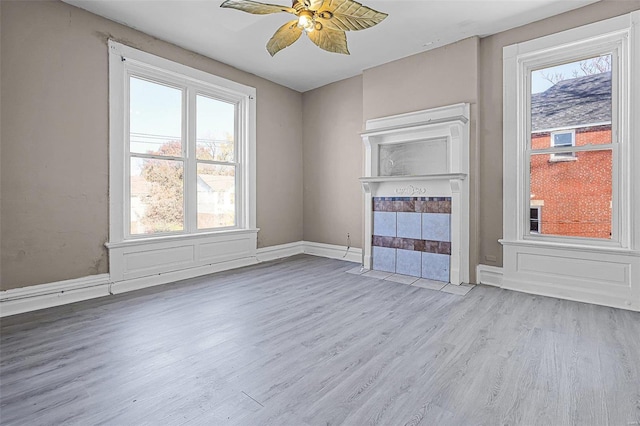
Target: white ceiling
238,38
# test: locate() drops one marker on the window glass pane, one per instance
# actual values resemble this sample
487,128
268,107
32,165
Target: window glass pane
156,196
575,96
562,139
155,122
575,195
216,196
534,219
215,124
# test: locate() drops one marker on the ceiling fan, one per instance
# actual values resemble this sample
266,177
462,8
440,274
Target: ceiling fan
324,21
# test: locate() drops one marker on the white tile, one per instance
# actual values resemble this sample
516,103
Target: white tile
358,270
435,266
430,284
436,226
402,279
384,224
408,262
384,259
461,289
381,275
409,225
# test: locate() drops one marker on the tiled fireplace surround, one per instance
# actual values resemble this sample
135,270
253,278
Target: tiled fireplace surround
412,236
416,213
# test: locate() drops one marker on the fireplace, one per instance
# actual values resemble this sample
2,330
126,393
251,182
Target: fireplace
417,194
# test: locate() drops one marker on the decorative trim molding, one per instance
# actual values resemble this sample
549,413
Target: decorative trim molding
32,298
265,254
411,190
36,297
489,275
333,251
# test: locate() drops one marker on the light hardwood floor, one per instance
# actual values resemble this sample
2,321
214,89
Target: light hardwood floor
301,342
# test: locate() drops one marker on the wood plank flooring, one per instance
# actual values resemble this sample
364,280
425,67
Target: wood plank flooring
301,342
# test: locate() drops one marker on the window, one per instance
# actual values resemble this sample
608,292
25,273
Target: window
563,139
570,116
576,97
535,219
570,144
185,148
182,170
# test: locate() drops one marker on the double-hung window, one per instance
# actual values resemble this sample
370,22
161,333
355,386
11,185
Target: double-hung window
572,157
182,158
571,145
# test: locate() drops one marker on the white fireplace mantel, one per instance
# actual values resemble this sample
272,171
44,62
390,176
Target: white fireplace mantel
443,166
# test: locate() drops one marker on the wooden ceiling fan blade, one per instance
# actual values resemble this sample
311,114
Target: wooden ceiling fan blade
256,8
284,37
330,40
348,15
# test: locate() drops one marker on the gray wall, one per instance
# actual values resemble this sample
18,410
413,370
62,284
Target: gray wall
332,118
54,163
53,156
334,115
467,71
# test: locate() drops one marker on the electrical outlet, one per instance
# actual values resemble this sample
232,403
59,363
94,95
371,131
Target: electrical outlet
490,258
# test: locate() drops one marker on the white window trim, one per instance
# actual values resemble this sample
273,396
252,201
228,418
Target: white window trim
520,60
132,256
596,271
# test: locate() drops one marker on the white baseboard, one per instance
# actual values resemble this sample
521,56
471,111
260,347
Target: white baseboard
308,247
489,275
32,298
266,254
333,251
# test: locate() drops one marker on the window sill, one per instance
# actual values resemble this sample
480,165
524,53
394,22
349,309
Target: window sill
134,242
562,159
592,248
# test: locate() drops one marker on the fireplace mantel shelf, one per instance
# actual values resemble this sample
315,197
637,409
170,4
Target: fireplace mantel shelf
415,178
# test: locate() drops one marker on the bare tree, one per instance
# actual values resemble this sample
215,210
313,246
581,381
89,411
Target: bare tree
587,67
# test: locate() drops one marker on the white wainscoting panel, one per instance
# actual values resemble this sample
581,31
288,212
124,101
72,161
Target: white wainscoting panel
141,258
586,276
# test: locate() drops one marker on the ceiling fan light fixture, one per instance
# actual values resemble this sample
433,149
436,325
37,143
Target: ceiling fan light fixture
324,21
306,21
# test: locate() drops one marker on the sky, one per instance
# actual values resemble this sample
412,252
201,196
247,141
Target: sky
156,116
539,84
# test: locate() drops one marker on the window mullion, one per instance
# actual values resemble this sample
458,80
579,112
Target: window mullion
191,163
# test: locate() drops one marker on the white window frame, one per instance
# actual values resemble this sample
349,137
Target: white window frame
523,64
593,270
135,256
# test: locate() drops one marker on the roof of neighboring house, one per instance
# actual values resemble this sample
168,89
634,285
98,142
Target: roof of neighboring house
572,103
216,183
139,186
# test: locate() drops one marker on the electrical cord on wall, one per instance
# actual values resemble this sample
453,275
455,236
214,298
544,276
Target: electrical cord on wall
348,246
